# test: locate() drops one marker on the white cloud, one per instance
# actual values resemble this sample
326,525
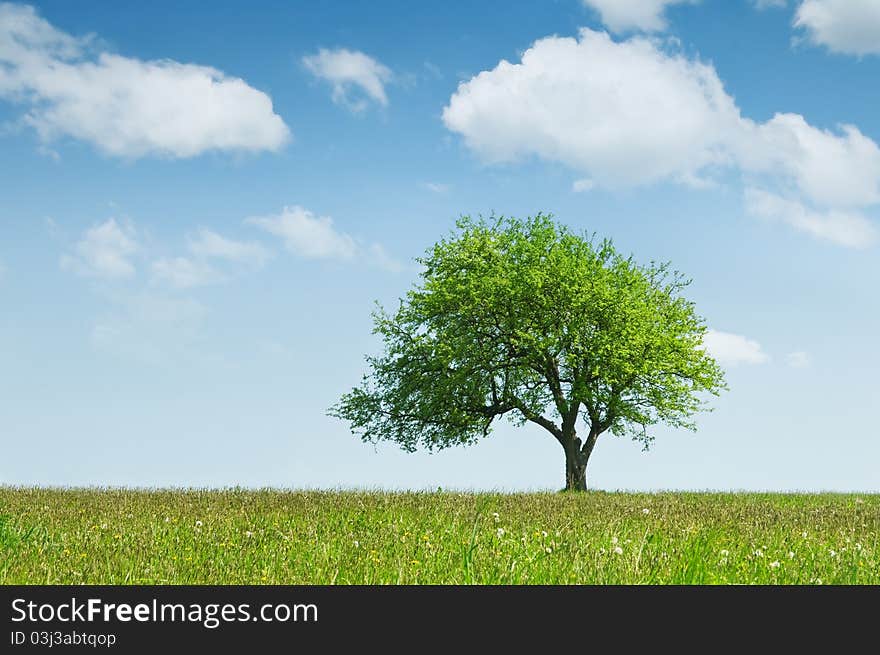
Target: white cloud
53,228
845,26
436,187
209,244
377,255
732,349
635,112
308,235
196,270
350,70
315,237
104,251
840,170
184,273
798,359
125,106
846,228
624,113
584,184
644,15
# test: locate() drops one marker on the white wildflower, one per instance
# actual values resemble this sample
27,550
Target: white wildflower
833,553
774,565
548,550
499,532
791,554
759,553
248,534
646,511
724,552
199,524
613,540
618,550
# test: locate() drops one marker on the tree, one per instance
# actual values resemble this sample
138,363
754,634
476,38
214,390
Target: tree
525,319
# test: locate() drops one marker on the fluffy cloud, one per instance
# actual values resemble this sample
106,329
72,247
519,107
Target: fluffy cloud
631,112
844,26
350,71
732,349
846,228
625,112
124,106
644,15
833,169
104,251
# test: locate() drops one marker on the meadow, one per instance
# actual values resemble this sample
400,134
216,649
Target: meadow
108,536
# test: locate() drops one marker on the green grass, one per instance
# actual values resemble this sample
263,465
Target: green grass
271,537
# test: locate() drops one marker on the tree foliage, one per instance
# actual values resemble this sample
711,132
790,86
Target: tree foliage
527,320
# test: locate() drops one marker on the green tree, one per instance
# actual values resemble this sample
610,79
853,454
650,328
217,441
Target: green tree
525,319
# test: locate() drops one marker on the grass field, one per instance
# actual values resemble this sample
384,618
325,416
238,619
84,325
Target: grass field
272,537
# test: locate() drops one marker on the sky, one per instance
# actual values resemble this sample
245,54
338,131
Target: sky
200,207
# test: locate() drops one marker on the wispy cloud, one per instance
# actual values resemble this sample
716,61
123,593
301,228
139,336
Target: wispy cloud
769,4
208,244
798,359
376,255
356,78
316,237
184,273
845,228
307,235
733,349
104,251
149,328
585,184
207,251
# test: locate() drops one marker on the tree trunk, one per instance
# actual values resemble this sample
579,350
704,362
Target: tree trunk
577,455
575,468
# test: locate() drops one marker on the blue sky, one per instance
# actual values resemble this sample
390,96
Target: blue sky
199,208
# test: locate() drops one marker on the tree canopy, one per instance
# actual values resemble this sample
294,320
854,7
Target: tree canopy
527,320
